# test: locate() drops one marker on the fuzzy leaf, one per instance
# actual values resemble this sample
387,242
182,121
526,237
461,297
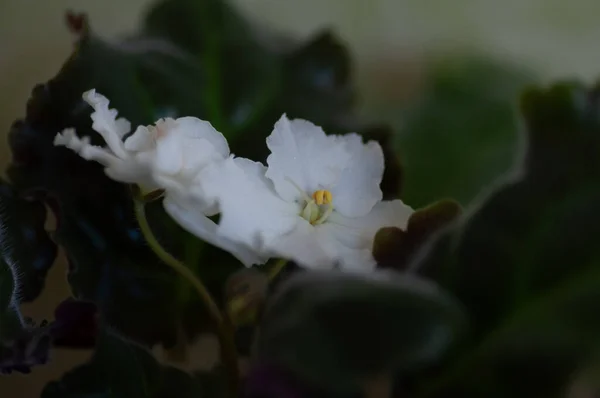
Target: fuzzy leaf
24,243
334,329
395,248
120,368
525,262
460,134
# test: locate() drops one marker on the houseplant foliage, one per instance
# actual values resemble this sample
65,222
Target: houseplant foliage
463,118
497,300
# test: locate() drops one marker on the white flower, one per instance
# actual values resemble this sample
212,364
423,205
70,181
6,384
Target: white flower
167,155
317,203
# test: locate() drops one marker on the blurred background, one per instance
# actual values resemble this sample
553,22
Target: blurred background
388,37
445,73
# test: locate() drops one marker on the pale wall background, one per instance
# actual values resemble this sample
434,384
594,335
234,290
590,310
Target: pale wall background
555,37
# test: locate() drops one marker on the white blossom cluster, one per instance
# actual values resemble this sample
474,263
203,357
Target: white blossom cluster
317,202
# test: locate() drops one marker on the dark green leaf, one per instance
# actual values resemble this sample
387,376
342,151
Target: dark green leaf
233,75
268,380
245,80
335,328
8,286
26,345
248,80
120,368
140,295
26,254
395,248
11,320
110,263
24,242
461,133
525,262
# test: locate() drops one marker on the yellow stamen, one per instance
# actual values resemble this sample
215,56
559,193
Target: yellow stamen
311,211
322,197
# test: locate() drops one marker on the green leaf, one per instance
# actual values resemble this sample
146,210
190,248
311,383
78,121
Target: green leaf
246,79
24,243
7,286
396,248
26,255
110,263
460,133
23,345
120,368
525,261
142,297
335,329
234,73
11,320
270,380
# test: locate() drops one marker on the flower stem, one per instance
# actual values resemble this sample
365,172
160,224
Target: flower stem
276,269
224,333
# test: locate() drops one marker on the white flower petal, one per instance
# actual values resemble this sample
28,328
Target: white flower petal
305,245
184,157
197,153
123,170
130,172
362,230
142,140
251,211
349,247
192,220
122,126
301,152
325,246
83,148
358,188
169,155
356,260
106,124
354,236
184,146
171,185
197,129
69,139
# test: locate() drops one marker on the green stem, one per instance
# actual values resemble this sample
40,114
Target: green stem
276,269
224,333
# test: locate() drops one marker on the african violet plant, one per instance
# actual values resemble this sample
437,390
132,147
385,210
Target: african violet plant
234,193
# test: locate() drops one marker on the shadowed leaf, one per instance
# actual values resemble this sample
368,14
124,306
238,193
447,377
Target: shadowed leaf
334,329
460,134
24,243
395,248
120,368
525,261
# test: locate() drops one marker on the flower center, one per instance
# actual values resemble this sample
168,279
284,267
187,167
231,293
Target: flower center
318,208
